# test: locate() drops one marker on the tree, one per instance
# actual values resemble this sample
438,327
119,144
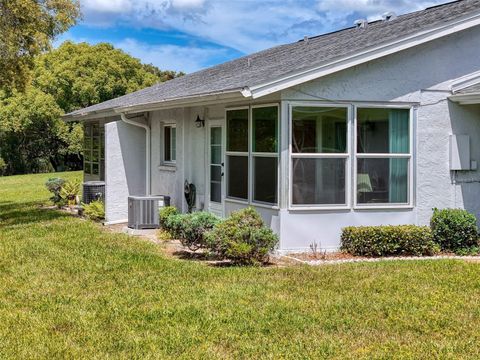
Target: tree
80,75
27,28
29,131
33,138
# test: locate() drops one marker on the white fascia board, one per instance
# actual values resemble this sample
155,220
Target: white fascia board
366,56
466,81
466,99
89,116
182,102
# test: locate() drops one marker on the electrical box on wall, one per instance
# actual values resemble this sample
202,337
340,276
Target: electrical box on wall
460,152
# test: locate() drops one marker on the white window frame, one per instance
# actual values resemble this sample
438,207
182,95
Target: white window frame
250,155
347,156
172,146
409,156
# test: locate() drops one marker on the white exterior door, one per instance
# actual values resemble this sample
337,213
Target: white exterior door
215,170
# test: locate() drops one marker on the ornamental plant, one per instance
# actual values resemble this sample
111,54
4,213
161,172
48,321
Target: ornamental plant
243,238
375,241
454,229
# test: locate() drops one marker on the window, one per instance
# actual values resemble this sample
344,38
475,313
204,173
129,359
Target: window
383,156
252,154
93,150
319,157
169,144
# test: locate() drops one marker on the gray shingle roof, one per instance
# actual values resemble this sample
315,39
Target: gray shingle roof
277,62
474,89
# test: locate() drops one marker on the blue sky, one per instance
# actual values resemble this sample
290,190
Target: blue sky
189,35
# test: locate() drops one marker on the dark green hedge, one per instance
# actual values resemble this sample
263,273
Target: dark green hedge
454,229
388,241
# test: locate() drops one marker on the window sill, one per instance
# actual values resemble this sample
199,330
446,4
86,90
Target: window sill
319,208
253,204
171,168
383,207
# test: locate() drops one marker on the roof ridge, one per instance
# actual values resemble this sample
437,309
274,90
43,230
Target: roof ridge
399,17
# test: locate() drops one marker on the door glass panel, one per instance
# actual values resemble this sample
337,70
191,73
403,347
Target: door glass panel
216,164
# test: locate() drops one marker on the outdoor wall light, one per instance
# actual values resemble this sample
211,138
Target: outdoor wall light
199,122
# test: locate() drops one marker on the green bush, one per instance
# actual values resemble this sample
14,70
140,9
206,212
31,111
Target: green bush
173,225
454,229
242,238
194,227
190,229
3,166
95,210
388,241
54,185
165,213
70,190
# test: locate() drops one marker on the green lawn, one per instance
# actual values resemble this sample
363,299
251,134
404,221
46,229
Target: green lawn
69,290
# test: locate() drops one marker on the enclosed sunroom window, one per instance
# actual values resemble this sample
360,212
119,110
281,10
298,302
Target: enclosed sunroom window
94,150
383,156
252,154
319,155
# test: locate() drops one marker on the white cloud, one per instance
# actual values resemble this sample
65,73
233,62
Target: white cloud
371,8
171,57
243,25
108,6
187,4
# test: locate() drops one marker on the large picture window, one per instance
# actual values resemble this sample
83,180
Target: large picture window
252,154
93,150
319,157
383,156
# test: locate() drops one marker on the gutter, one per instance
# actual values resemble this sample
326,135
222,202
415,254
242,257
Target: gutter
147,147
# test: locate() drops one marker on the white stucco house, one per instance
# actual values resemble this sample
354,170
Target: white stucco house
374,124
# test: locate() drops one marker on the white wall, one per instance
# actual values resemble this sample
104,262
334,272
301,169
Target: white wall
124,168
421,75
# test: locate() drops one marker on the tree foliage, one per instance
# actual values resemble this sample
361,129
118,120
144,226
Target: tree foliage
33,138
80,75
27,28
29,129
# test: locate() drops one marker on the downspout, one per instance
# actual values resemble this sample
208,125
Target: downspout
147,147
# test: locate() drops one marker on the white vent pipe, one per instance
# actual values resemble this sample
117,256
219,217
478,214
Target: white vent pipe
147,147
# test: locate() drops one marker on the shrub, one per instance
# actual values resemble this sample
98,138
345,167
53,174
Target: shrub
388,240
70,190
95,210
173,224
54,185
243,238
190,229
3,166
454,229
164,213
194,227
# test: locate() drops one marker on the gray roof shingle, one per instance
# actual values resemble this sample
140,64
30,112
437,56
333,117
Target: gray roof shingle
280,61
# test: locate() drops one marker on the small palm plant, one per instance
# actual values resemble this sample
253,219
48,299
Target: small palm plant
70,191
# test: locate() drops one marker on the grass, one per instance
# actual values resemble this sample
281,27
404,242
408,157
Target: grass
70,290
